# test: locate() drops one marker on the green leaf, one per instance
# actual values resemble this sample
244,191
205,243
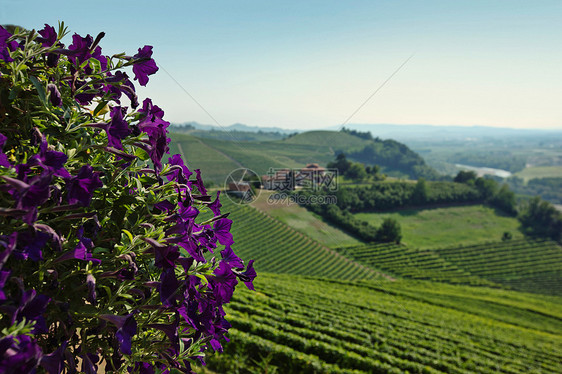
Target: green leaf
100,107
95,65
129,235
40,89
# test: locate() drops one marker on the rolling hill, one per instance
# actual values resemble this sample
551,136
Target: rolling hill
217,157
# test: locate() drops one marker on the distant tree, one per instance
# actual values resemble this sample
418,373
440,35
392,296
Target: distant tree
341,163
356,172
504,199
465,176
540,218
389,231
487,187
507,236
419,196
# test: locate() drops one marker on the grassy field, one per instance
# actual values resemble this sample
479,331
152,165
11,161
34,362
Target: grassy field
304,221
540,172
296,324
429,228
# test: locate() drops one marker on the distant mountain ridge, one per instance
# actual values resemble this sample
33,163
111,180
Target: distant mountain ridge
236,127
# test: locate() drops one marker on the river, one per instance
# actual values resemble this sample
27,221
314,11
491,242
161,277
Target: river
485,171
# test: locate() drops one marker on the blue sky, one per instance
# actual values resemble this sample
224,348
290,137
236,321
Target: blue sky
311,64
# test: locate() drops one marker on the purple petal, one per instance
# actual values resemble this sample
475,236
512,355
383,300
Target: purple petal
215,206
145,65
249,275
231,259
222,231
48,36
54,95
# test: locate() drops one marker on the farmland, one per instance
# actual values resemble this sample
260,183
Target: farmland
299,324
525,265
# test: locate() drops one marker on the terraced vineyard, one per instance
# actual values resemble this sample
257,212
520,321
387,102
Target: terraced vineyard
411,263
280,249
303,325
526,265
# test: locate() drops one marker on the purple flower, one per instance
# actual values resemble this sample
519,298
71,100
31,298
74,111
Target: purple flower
51,161
118,128
4,275
82,186
89,362
222,231
165,256
165,206
199,182
54,95
229,257
216,205
80,48
32,193
171,331
30,244
48,36
52,234
118,84
9,242
142,368
168,287
3,158
144,65
18,354
80,252
223,281
54,362
249,275
5,46
180,175
156,128
31,307
126,329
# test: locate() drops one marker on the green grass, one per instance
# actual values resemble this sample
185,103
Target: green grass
540,172
306,325
428,228
305,222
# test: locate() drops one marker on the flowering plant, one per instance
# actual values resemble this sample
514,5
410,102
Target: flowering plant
104,259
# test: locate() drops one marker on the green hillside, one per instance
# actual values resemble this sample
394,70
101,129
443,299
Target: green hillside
214,165
294,324
217,157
